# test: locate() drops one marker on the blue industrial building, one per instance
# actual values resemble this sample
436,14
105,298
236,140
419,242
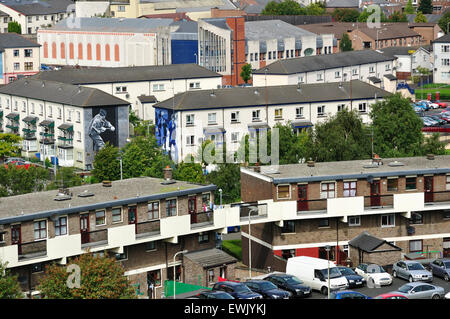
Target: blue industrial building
185,42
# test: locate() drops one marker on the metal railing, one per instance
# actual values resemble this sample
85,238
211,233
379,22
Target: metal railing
148,228
94,238
379,201
254,210
202,218
32,249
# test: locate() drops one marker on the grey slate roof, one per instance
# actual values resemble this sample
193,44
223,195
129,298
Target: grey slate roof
210,258
394,51
147,98
62,93
276,95
322,62
39,7
431,18
273,29
127,74
218,22
443,39
14,40
342,4
369,243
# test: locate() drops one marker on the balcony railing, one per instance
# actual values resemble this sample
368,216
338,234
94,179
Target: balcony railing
201,219
379,201
310,205
254,210
94,238
32,249
148,228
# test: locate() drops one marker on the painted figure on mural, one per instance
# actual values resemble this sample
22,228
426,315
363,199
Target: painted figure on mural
166,125
172,137
97,126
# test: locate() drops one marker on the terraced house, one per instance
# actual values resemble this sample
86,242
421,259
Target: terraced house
142,222
302,208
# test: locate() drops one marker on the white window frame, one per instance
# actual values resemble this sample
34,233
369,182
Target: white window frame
284,198
280,113
34,229
236,117
387,225
299,112
99,211
190,119
112,215
322,112
322,192
190,140
67,225
362,107
354,224
212,118
257,117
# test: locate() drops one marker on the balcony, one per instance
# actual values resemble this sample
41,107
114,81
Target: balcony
32,249
202,219
148,228
94,238
252,211
65,142
379,201
312,206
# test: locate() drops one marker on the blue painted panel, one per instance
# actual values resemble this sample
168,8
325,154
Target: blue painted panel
1,65
184,51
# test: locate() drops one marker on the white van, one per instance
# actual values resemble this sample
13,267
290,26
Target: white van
314,273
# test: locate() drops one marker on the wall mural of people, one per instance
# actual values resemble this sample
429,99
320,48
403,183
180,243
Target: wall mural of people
165,131
97,127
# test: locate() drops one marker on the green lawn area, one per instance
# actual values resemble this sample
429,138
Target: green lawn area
233,247
444,92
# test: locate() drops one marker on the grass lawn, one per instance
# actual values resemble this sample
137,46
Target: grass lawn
444,92
233,247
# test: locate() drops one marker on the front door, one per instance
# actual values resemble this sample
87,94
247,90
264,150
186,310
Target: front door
375,198
428,188
302,202
16,237
132,215
84,228
192,209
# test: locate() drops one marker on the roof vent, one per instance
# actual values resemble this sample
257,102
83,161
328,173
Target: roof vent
311,163
107,183
62,196
430,157
396,163
86,193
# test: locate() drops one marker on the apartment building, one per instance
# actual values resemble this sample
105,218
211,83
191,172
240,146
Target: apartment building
302,208
141,222
441,50
227,115
35,14
19,57
367,66
106,42
140,86
58,120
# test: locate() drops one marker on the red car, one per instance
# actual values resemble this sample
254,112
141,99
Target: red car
446,116
390,295
18,163
441,104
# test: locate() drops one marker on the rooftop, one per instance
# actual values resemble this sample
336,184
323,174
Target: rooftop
39,7
395,51
369,243
256,96
14,40
273,29
209,258
127,74
443,39
35,205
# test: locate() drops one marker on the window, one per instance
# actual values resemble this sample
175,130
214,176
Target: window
349,189
78,136
388,220
278,113
362,107
211,275
299,112
150,246
416,218
415,246
158,87
392,184
300,79
284,191
24,106
388,67
194,85
78,117
61,226
288,253
319,77
155,277
251,57
190,140
411,183
116,215
270,55
447,182
337,74
340,107
28,66
189,119
235,117
40,229
255,115
212,118
79,156
288,227
121,8
354,71
354,221
445,48
171,207
100,218
59,112
327,190
121,89
372,69
16,53
446,62
28,53
203,238
41,109
446,213
16,66
235,137
324,222
50,111
122,256
153,210
321,110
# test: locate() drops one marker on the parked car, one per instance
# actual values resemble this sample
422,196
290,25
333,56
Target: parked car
430,104
419,290
431,120
291,284
267,289
19,162
236,289
390,295
411,270
441,268
438,118
426,121
214,295
348,294
374,272
354,280
422,106
447,109
441,104
446,116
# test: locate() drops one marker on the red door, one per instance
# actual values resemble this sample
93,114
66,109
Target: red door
16,237
84,228
428,188
192,209
375,198
302,202
132,216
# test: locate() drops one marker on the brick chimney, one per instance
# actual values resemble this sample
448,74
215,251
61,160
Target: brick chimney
167,173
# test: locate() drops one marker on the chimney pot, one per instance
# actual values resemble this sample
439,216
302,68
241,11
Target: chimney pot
310,163
430,157
167,173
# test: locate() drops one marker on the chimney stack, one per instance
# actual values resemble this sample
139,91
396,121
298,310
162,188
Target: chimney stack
167,173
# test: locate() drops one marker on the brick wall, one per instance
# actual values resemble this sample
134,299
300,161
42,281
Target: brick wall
254,189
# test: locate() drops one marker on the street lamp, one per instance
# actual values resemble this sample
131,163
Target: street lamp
328,248
120,161
174,256
250,241
220,193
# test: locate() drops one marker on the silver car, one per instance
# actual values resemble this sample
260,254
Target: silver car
420,290
411,270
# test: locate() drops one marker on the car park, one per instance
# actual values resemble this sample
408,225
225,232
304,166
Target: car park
236,289
426,121
430,104
422,106
374,273
267,289
441,104
411,271
348,294
447,109
441,268
431,120
290,283
445,116
438,118
214,295
390,295
354,280
418,290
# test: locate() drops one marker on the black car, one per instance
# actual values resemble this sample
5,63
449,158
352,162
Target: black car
354,280
214,295
267,289
237,289
290,283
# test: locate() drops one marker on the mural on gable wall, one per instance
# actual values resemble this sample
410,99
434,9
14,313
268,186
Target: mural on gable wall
101,130
166,124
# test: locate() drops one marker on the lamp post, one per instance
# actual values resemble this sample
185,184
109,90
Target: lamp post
250,243
120,161
174,256
327,248
220,193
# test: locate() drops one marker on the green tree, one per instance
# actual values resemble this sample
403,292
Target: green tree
316,9
16,180
100,278
288,7
14,27
227,177
444,22
9,145
425,6
397,129
398,17
189,172
433,145
246,72
292,146
106,164
409,8
345,15
9,285
133,118
345,44
66,177
364,16
420,18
